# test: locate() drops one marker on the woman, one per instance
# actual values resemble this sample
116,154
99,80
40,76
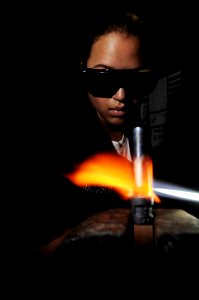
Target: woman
115,77
116,74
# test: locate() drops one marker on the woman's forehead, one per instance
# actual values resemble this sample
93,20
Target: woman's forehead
116,50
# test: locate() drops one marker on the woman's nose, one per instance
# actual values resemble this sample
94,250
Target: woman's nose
120,94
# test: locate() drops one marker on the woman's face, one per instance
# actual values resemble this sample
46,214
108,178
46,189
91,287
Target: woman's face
114,51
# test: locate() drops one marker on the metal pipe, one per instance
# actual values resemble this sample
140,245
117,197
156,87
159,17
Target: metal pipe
141,207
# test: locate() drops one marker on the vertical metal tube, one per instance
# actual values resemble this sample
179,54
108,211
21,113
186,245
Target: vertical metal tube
138,141
141,206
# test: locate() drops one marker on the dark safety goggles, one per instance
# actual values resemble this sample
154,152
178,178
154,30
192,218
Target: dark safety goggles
106,82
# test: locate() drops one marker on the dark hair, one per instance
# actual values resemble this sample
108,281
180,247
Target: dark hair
123,22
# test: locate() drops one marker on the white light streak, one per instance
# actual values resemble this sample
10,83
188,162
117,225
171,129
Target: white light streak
171,191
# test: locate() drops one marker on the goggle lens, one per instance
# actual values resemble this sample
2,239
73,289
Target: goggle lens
106,82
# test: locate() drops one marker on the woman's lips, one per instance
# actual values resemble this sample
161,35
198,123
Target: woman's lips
117,112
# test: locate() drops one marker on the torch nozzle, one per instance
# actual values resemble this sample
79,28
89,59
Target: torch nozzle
142,211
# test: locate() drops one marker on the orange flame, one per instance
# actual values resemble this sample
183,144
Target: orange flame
112,170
